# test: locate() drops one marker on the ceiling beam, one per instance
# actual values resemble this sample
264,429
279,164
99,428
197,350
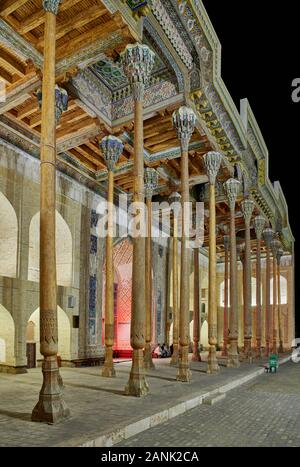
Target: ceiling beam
9,6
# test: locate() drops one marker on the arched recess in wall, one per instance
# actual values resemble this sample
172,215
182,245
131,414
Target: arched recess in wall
7,338
283,290
64,333
8,238
64,251
123,252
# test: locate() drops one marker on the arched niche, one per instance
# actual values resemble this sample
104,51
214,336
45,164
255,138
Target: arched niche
7,338
64,333
64,251
8,238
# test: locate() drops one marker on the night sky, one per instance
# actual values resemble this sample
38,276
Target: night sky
260,59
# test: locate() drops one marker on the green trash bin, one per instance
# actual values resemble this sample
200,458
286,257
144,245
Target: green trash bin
273,363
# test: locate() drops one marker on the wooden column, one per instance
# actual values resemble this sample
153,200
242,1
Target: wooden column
184,122
247,209
259,225
51,407
112,149
226,277
175,199
232,188
212,163
268,237
279,256
138,61
196,316
275,246
151,181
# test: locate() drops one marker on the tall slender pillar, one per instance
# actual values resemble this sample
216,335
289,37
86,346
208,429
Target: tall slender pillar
232,188
279,256
259,225
184,121
196,316
226,290
51,407
268,236
138,61
212,163
275,247
247,209
112,149
174,200
151,181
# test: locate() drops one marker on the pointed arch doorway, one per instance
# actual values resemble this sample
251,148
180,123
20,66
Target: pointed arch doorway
123,252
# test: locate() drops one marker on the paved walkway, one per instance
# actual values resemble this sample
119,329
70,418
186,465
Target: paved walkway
98,405
265,412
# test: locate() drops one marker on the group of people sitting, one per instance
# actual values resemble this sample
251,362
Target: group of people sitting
162,351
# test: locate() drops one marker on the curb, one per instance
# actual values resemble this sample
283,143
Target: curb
118,435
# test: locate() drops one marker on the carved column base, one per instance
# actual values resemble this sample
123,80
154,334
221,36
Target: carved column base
148,362
225,351
137,385
184,373
212,362
267,350
175,355
258,352
274,349
51,407
233,356
196,354
108,370
281,350
248,355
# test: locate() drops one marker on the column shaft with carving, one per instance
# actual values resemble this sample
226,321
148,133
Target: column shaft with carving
151,181
138,61
175,198
259,225
247,209
112,149
226,290
268,237
212,163
275,246
184,122
51,407
196,315
279,256
232,188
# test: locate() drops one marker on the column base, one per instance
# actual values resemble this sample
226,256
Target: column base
267,350
212,362
233,356
137,385
108,370
258,350
280,350
51,408
224,351
275,349
184,374
175,356
148,362
248,354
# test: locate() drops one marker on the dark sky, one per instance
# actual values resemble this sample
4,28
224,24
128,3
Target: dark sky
260,59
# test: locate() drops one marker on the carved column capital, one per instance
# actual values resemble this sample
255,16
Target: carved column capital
280,254
151,182
51,6
268,236
138,61
212,162
275,247
184,120
247,209
112,149
259,225
232,188
61,101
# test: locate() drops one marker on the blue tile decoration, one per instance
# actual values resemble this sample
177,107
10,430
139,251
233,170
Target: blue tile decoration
92,294
94,245
94,218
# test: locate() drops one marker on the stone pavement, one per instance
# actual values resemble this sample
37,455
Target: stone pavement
265,413
100,412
